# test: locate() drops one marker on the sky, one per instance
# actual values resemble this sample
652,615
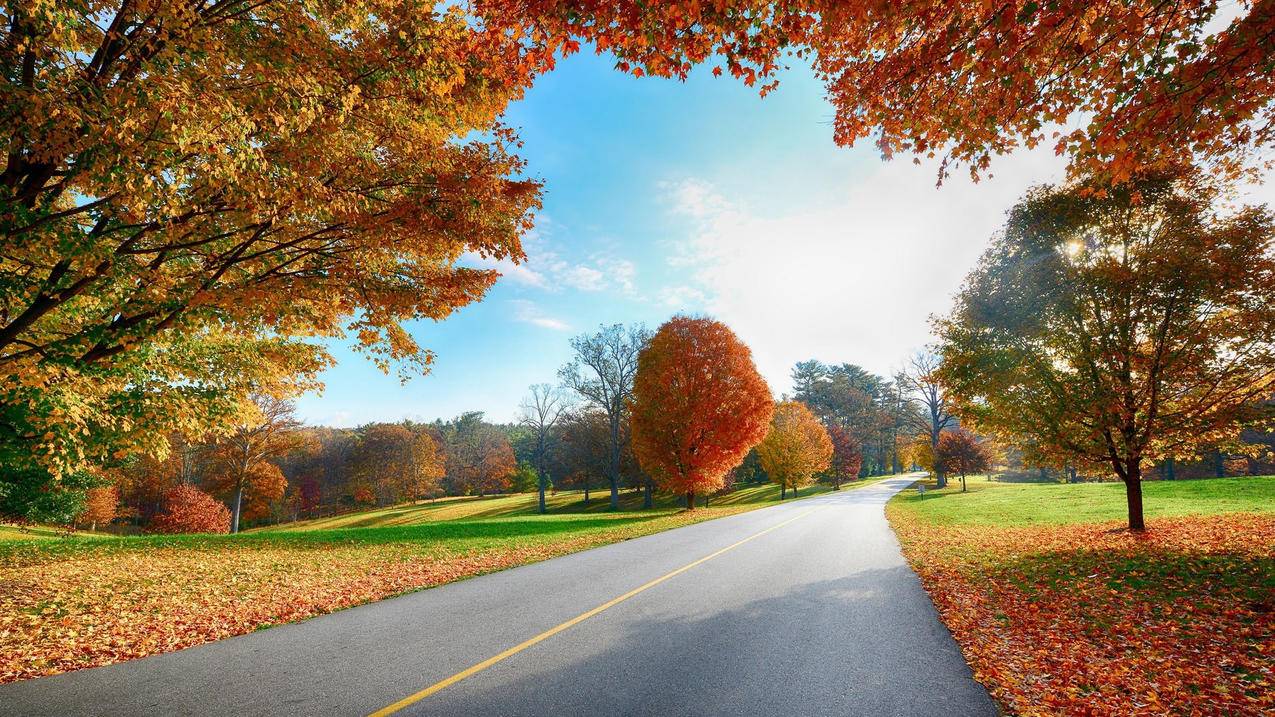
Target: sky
664,197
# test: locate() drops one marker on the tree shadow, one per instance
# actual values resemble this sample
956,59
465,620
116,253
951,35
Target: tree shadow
868,643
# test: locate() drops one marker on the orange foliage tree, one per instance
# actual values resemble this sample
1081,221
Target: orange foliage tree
846,456
240,465
186,198
967,79
796,448
698,405
100,506
187,509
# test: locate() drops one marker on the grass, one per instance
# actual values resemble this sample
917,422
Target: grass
1060,610
1008,504
524,504
84,601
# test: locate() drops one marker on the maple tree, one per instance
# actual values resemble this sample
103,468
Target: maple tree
698,405
100,506
796,447
846,456
960,452
1151,83
185,199
187,509
241,465
1108,330
602,373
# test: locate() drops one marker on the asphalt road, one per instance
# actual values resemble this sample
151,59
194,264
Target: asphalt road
814,613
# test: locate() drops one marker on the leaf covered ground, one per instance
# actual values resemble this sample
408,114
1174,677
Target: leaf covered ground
1085,618
71,603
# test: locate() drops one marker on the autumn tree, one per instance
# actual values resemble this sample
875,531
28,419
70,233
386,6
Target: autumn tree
602,373
241,460
101,506
186,199
479,457
1107,330
960,452
796,447
398,461
1146,83
920,378
846,458
187,509
698,405
541,412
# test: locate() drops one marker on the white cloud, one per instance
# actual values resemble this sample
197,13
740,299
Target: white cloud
547,270
854,281
584,278
529,313
519,273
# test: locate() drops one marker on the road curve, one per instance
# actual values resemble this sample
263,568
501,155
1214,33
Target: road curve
804,608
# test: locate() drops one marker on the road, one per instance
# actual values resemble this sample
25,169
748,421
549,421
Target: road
805,608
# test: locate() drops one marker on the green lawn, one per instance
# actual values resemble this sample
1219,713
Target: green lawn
1016,504
524,504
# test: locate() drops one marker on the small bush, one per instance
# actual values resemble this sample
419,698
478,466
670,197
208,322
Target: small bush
186,509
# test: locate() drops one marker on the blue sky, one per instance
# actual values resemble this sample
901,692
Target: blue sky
698,197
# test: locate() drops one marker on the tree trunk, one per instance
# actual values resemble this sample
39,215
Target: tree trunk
706,497
1219,464
794,490
647,501
690,500
234,514
1133,496
586,492
783,491
615,462
1168,468
541,487
962,482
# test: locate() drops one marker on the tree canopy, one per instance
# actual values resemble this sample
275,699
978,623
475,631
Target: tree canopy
699,405
1112,330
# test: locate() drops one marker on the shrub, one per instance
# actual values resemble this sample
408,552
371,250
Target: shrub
186,509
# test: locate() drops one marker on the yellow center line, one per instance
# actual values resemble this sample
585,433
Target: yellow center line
471,671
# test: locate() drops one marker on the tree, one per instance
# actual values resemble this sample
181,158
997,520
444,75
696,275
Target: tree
1111,329
1151,83
479,457
846,458
100,507
399,461
187,509
541,412
959,451
584,449
698,405
240,463
920,378
796,448
602,373
187,199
